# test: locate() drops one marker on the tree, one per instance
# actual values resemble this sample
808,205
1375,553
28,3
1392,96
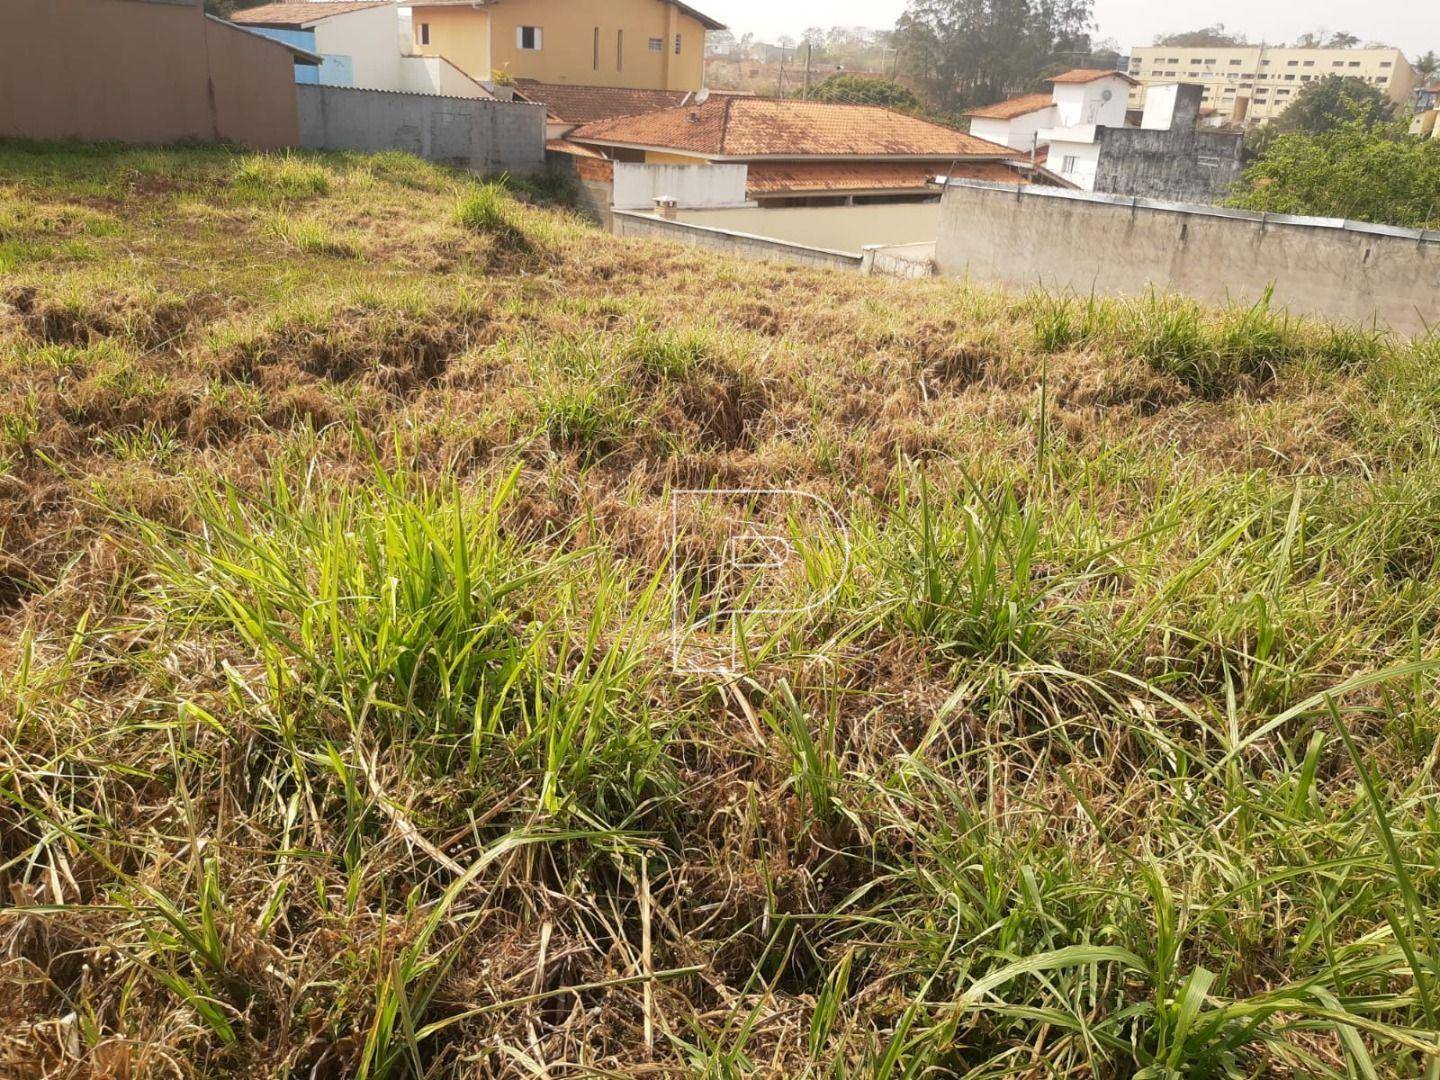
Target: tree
968,52
1322,107
1341,40
862,90
1206,35
1426,65
1359,171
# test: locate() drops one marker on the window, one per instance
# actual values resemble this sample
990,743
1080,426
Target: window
677,44
1212,61
1309,63
619,50
1068,165
1354,63
1292,63
1282,93
1338,63
1173,60
595,50
422,32
1236,63
657,44
528,38
1289,78
1386,63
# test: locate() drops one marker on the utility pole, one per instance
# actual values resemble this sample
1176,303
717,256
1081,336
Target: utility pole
809,49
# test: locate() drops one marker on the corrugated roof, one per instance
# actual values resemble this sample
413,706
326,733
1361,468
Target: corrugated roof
765,127
1089,75
809,178
1009,110
303,14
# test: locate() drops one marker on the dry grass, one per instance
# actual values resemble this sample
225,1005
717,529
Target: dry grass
341,734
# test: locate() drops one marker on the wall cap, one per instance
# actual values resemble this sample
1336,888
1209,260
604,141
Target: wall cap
1365,228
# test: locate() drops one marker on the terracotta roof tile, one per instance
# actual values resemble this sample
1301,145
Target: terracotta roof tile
586,104
304,13
806,178
765,127
1008,110
1089,75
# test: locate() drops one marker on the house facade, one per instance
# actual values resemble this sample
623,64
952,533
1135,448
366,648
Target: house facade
805,153
1081,132
1254,83
359,43
143,71
642,44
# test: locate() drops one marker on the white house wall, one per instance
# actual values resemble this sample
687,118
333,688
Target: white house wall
1083,169
369,39
1020,133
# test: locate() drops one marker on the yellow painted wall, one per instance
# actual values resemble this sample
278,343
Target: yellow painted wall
656,157
568,43
460,35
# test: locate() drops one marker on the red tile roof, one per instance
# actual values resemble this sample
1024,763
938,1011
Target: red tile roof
766,127
303,14
586,104
812,178
1089,75
1018,106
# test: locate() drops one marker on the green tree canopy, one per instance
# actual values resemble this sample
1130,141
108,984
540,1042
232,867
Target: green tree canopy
1361,171
1206,35
865,90
970,52
1426,65
1330,103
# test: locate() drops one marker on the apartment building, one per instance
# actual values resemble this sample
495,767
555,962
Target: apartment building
1254,83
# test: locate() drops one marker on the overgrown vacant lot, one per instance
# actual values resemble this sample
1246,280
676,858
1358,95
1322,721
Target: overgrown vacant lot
340,732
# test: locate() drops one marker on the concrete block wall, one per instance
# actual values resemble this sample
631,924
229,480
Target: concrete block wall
632,223
476,134
1022,238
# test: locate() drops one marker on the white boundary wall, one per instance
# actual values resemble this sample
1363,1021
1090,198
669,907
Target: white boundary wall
695,186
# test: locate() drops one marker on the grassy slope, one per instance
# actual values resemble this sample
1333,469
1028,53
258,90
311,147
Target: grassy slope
339,724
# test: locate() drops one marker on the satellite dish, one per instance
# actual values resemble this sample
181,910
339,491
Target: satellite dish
702,97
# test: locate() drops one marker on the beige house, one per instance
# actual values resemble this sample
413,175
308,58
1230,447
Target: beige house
144,71
642,44
1253,84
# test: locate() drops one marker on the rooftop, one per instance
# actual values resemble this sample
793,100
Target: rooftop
586,104
1009,110
1089,75
729,127
303,14
805,178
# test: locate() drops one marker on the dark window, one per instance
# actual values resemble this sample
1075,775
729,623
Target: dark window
424,33
619,50
677,44
657,44
597,49
529,38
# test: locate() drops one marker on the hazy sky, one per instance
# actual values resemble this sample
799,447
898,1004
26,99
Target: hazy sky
1413,25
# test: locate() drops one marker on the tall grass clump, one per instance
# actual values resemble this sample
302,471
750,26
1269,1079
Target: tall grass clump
269,178
490,210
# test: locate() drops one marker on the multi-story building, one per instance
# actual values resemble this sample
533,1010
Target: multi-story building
641,44
1254,83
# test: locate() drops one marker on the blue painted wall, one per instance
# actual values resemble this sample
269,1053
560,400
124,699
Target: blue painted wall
335,71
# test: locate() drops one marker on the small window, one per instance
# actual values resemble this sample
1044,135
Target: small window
1292,63
677,44
596,59
423,33
1309,63
1068,165
1354,63
619,50
657,44
1338,63
1386,63
529,38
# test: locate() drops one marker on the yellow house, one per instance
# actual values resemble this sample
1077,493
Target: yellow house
642,44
